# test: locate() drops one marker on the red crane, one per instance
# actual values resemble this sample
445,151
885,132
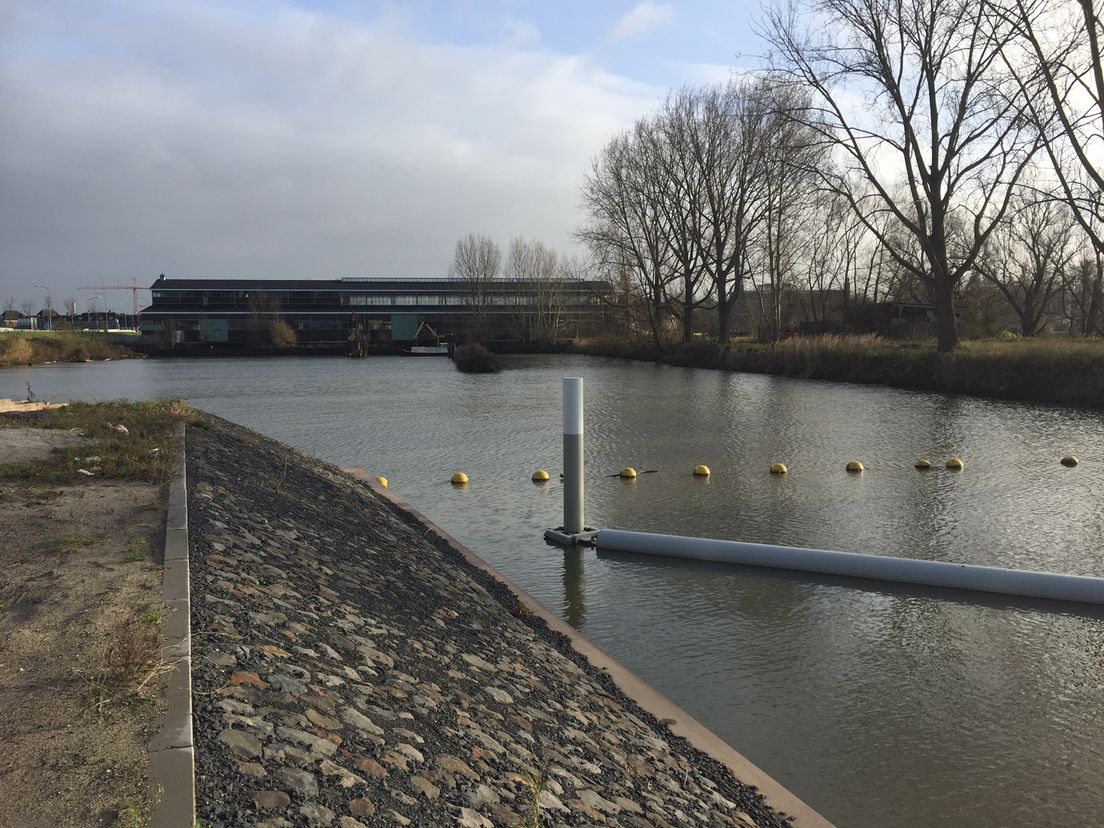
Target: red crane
133,287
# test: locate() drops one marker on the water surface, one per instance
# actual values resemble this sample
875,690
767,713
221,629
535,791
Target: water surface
877,706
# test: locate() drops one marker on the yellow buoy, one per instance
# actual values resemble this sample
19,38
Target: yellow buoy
1069,460
701,471
855,466
779,468
627,473
923,465
955,464
541,476
382,481
459,479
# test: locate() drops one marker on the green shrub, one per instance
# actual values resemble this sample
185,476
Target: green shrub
475,359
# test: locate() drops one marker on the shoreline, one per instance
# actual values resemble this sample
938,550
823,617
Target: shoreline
1050,372
351,659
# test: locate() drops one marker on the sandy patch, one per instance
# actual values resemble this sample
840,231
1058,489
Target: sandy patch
7,406
80,606
26,445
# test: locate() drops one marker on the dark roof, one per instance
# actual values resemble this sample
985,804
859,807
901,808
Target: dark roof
347,284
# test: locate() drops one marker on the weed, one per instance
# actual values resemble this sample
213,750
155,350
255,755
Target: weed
536,783
30,393
137,551
120,664
156,617
77,541
138,814
282,476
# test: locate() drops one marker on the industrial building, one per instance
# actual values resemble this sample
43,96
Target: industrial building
377,312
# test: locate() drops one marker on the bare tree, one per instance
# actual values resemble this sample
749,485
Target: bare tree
627,232
535,270
1028,257
26,307
1062,79
477,262
927,70
1083,297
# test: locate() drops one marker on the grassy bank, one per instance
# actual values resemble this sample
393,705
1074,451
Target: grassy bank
1064,371
19,348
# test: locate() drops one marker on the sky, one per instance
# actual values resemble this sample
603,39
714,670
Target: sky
317,139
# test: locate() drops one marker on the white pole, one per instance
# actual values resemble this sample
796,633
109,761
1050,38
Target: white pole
573,455
852,564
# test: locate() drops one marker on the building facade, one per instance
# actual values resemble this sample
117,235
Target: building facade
374,311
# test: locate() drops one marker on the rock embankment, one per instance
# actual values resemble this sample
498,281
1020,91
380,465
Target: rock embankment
352,670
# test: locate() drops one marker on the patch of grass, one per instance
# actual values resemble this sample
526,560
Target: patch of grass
137,551
145,451
134,815
76,542
156,617
30,347
137,814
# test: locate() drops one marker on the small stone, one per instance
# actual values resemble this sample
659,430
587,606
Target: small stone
481,796
273,651
500,696
551,802
271,800
344,778
325,722
371,767
473,819
628,805
242,744
598,803
409,751
224,660
454,764
300,781
427,788
398,818
242,677
362,807
351,715
349,822
317,814
252,769
476,661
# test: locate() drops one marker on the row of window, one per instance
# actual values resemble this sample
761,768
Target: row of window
220,297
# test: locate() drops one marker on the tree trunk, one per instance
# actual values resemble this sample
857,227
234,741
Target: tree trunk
723,309
946,326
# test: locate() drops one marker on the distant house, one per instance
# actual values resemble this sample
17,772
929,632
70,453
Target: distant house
10,318
48,319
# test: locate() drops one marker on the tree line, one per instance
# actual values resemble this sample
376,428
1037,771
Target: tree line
935,150
535,312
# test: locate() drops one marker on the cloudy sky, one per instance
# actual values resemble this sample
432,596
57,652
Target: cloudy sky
318,138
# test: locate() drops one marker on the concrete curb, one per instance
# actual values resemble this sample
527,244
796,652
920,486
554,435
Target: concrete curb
678,721
172,751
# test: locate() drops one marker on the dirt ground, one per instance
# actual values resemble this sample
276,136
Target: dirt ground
80,616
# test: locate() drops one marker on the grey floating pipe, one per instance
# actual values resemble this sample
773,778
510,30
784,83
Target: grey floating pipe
1024,583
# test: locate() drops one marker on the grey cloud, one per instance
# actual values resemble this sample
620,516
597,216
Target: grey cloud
219,143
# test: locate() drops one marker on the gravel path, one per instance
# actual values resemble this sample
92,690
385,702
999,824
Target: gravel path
350,670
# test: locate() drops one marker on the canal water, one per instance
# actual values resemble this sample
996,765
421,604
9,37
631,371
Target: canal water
878,706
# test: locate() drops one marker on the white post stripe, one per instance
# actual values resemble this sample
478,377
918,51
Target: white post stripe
573,405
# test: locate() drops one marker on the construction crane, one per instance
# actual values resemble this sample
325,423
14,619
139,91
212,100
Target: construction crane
133,287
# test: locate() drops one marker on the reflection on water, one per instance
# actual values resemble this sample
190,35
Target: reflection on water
574,588
878,705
